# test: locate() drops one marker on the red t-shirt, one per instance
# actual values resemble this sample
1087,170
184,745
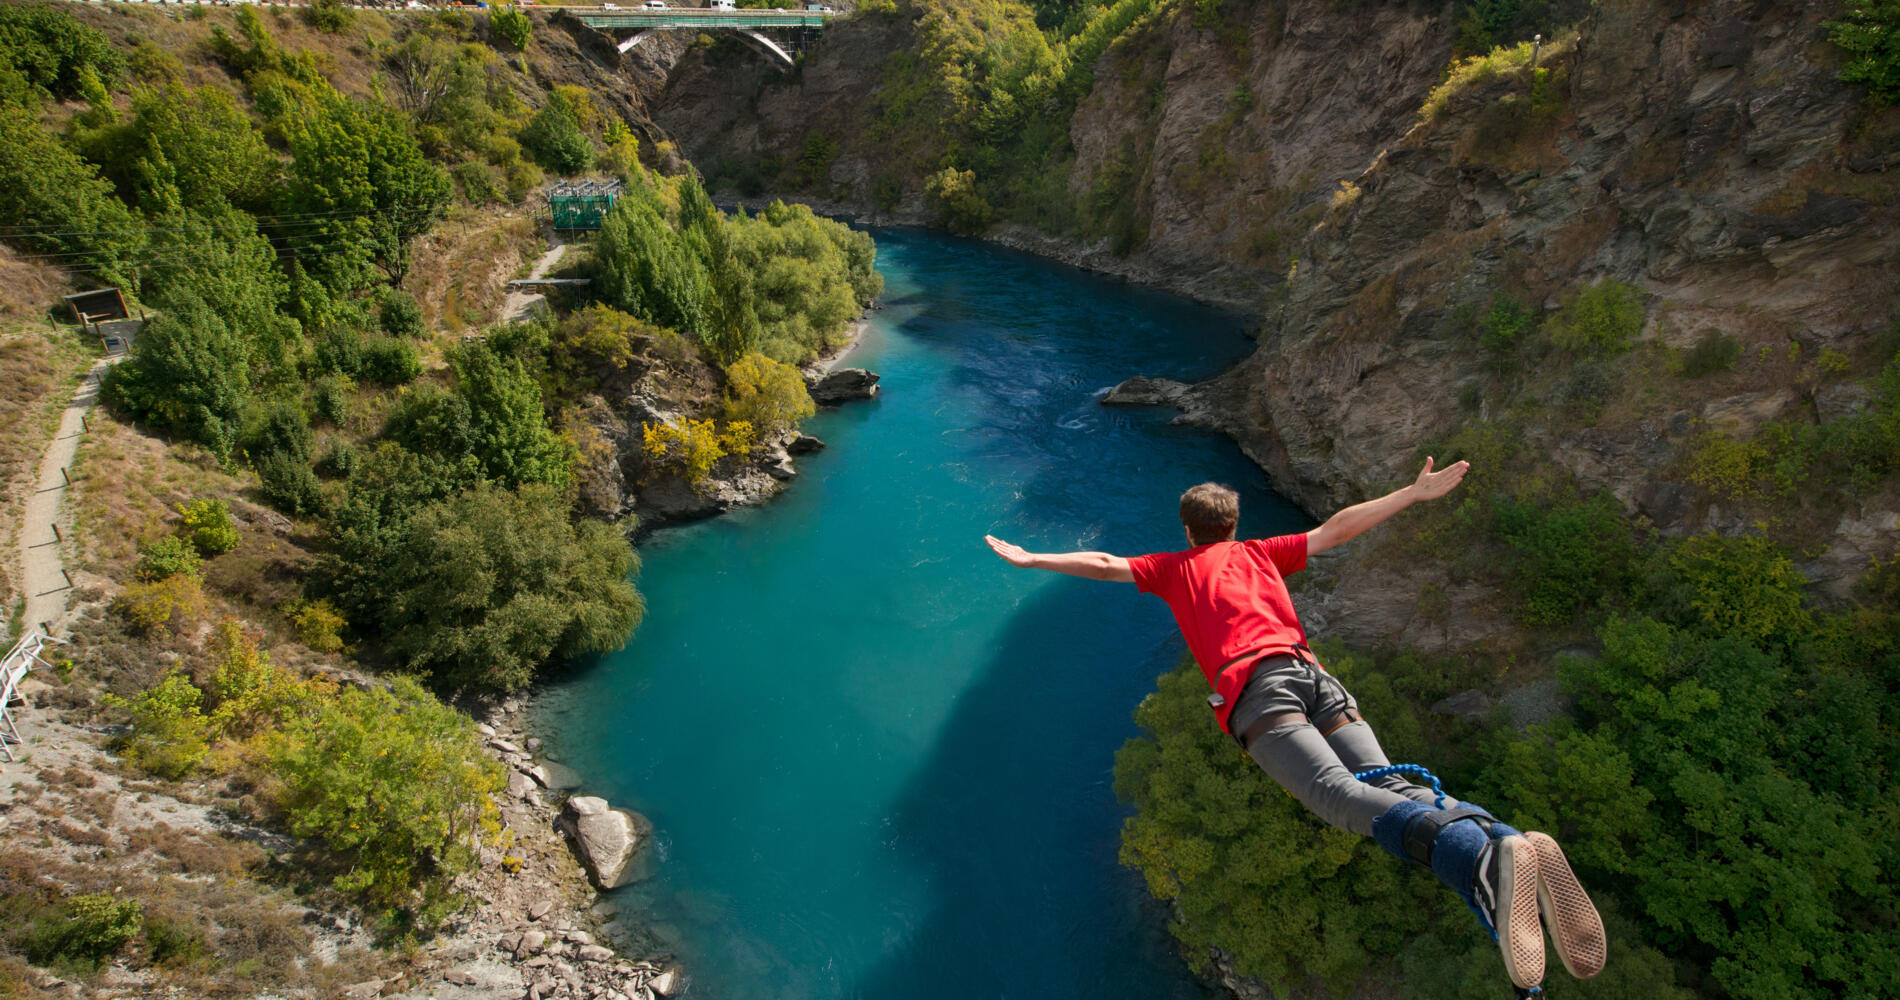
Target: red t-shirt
1229,599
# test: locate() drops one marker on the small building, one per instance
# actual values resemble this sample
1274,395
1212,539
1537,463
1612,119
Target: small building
581,204
100,304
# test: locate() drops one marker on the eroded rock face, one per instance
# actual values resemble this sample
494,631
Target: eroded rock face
607,839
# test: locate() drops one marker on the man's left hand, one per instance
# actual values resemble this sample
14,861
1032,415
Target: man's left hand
1432,485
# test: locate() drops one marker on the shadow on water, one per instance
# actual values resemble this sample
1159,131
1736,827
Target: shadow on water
1045,828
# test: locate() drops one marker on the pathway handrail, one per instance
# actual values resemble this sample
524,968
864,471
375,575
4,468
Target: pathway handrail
13,669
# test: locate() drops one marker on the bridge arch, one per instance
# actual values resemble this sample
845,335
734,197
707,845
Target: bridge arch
758,40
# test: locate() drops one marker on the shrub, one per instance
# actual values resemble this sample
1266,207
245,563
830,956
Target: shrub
390,361
769,395
51,48
327,16
1713,352
207,523
1570,556
330,399
1869,32
1599,319
167,555
555,140
1502,328
1734,470
290,485
170,734
394,782
479,184
400,313
957,203
689,449
318,624
511,24
84,932
160,606
247,694
339,349
280,428
1586,389
1740,585
339,460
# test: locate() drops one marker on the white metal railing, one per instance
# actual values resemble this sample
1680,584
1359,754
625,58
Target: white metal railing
20,659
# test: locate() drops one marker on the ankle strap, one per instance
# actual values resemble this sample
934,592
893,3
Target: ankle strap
1422,830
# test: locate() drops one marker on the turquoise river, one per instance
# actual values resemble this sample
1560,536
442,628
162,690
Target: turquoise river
878,759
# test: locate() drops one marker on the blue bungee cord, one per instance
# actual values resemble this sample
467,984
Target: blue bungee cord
1391,769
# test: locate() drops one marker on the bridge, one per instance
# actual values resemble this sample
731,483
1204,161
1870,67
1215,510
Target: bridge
645,22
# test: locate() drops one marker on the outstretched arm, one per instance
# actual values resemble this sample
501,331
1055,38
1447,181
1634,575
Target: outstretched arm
1093,565
1357,519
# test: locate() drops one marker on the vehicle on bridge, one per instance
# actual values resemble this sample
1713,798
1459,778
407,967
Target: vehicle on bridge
723,5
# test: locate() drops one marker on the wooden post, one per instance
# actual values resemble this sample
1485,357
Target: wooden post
57,537
68,480
48,629
68,576
82,424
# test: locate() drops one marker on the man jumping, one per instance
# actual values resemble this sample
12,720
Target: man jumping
1302,727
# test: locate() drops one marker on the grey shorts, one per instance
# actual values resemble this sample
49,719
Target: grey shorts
1285,683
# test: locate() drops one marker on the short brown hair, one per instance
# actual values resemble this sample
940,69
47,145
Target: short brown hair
1210,511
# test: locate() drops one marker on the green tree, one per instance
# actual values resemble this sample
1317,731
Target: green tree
206,523
642,267
767,394
51,49
1599,319
511,437
484,588
732,322
511,24
356,168
401,314
387,486
170,735
390,361
554,137
807,286
1869,32
188,147
189,372
396,784
58,203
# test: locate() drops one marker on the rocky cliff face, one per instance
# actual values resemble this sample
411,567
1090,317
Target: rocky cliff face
1704,156
1701,152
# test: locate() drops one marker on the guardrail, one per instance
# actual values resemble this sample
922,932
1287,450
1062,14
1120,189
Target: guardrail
20,659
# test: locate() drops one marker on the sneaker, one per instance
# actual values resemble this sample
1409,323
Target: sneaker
1574,925
1506,891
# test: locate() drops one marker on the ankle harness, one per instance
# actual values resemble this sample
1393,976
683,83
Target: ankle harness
1422,830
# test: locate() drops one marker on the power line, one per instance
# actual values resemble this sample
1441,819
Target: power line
319,217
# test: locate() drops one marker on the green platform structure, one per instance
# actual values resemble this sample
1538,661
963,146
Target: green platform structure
578,205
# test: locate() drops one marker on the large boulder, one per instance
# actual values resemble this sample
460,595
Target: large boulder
843,385
607,839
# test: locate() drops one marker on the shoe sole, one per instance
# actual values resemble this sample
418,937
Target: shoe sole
1520,936
1575,928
